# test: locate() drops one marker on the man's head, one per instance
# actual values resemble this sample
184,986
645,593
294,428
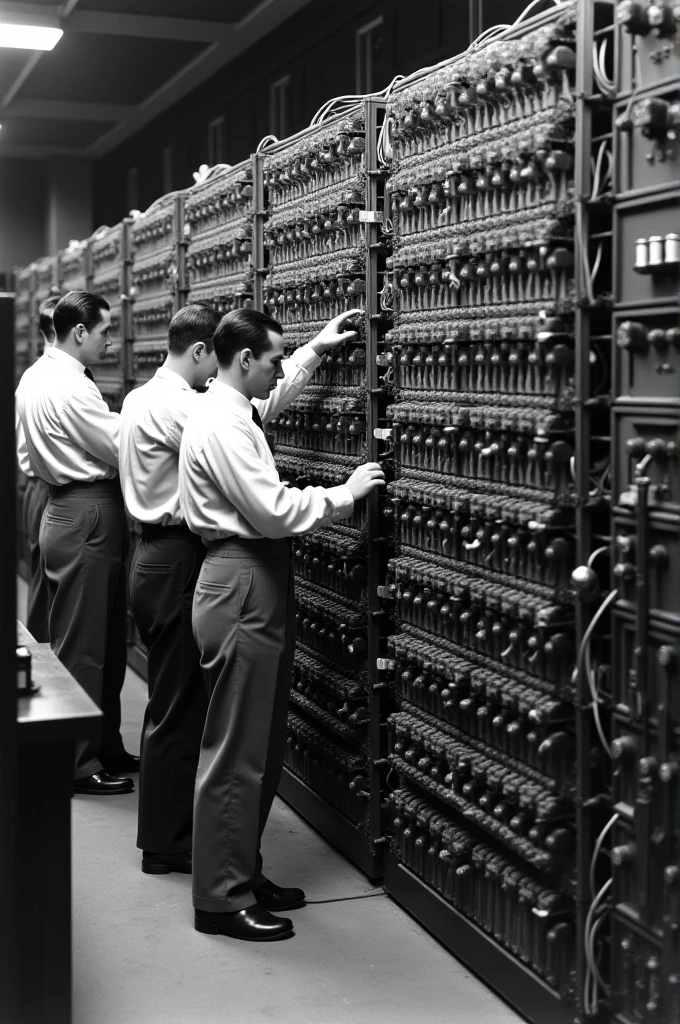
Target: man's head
45,322
190,342
249,348
82,322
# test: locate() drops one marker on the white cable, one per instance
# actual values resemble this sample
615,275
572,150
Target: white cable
590,929
593,556
596,264
534,3
583,664
596,851
266,141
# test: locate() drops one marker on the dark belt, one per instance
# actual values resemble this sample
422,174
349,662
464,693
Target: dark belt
87,487
154,531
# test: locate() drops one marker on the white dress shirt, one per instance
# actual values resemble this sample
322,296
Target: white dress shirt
22,448
153,418
228,482
71,435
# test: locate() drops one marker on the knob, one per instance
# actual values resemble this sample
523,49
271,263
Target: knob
624,747
632,336
584,581
669,771
658,555
662,19
623,854
634,18
666,656
651,115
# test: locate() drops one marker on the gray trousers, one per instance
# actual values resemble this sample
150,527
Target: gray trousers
36,497
244,624
82,543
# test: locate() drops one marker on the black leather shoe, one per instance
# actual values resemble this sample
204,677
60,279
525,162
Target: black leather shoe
121,765
274,897
255,924
103,784
164,863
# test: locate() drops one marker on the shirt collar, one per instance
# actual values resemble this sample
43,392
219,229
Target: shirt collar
61,356
226,393
175,378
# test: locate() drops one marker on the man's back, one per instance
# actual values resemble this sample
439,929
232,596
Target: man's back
70,433
152,423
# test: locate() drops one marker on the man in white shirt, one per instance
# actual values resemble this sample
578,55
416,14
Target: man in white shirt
244,613
163,576
72,440
36,496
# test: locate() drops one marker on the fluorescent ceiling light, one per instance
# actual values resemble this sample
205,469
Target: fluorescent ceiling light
29,37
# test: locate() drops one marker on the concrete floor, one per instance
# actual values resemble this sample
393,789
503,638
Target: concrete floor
137,959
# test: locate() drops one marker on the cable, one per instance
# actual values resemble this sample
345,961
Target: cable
607,86
534,3
583,664
263,143
596,851
345,899
593,556
593,976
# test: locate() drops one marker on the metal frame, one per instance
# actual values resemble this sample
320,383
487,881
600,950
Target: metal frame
364,850
588,798
505,973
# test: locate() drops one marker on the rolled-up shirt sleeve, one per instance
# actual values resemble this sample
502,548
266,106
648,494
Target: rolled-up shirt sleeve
90,423
254,488
298,371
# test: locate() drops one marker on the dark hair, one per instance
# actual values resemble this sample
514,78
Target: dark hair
45,314
196,322
243,328
78,308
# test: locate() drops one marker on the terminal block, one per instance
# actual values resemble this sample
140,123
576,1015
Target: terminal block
219,216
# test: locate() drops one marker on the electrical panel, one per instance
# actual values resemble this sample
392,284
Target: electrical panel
643,832
482,426
485,699
45,283
316,256
23,312
109,275
218,217
158,280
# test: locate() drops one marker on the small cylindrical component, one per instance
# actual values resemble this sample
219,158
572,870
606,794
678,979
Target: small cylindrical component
672,247
656,250
641,253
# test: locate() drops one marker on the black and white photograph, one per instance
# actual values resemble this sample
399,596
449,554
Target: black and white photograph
340,446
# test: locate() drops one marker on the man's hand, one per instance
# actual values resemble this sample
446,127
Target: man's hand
333,335
365,478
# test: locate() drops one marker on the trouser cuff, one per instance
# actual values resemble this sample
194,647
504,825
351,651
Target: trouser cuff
91,768
228,906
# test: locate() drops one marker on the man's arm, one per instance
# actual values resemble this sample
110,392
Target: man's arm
254,488
90,423
22,448
302,364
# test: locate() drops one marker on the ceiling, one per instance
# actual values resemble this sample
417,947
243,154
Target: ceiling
119,64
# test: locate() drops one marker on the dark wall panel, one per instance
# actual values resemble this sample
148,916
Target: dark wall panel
316,48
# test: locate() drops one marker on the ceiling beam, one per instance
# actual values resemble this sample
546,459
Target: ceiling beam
70,110
149,26
64,11
31,61
42,15
39,152
264,18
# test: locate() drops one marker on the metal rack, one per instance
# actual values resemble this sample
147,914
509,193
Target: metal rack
354,212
